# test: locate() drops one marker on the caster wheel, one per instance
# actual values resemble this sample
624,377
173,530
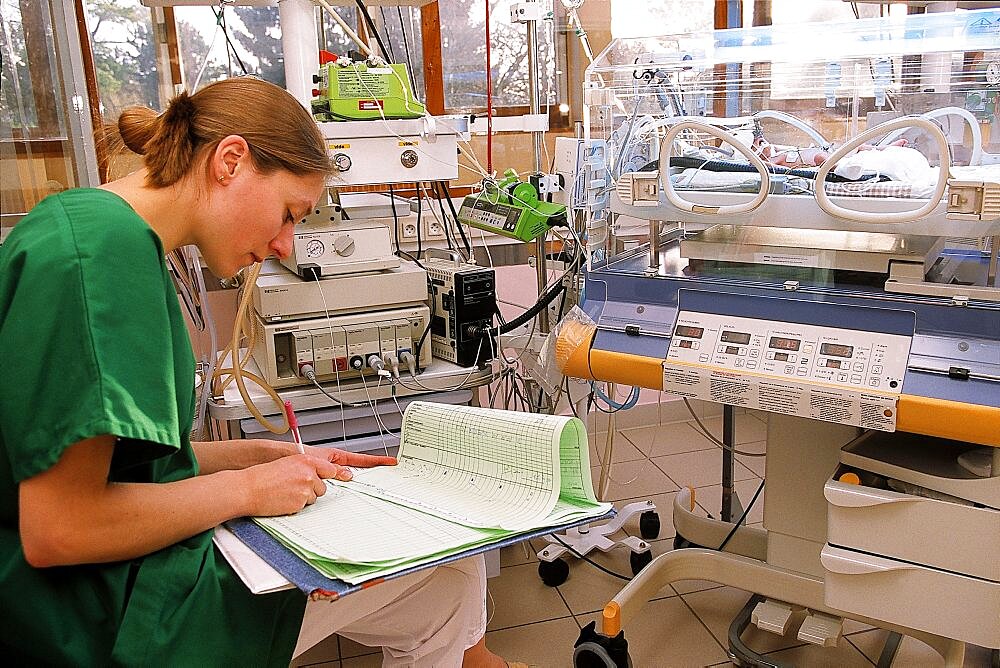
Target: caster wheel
595,650
592,655
638,561
649,525
553,573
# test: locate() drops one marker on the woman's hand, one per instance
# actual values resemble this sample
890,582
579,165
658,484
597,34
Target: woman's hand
287,485
344,458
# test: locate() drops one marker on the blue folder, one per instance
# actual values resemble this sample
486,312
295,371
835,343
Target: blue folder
319,587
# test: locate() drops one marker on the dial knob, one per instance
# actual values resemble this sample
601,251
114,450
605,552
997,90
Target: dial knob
409,158
342,161
344,246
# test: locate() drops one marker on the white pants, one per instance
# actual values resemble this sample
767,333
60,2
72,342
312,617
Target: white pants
428,618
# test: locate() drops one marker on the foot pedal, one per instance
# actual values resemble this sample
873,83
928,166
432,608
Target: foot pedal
772,616
820,629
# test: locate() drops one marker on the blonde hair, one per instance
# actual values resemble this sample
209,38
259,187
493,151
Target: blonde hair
279,131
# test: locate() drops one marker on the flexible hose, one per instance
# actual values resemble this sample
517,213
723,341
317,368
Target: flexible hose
236,371
546,299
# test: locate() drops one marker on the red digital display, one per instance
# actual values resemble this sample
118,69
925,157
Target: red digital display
690,332
782,343
836,350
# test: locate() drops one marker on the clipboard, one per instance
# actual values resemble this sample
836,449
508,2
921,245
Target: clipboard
318,587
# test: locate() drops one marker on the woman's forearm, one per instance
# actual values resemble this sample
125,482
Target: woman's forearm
214,456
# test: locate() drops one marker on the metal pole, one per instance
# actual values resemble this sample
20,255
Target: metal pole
541,269
991,274
728,461
654,248
301,47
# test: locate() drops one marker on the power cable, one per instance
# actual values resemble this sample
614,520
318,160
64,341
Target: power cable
373,29
458,223
406,48
221,17
385,27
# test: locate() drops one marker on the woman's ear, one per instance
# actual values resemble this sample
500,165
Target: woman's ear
230,158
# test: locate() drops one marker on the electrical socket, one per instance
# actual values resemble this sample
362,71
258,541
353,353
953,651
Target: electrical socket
433,229
408,230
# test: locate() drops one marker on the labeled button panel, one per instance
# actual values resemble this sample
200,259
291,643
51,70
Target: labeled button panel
807,353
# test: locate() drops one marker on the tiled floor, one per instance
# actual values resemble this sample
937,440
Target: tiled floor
687,623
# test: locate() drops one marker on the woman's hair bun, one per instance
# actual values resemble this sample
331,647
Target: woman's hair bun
171,149
179,116
136,126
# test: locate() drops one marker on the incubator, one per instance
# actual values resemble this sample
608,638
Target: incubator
804,220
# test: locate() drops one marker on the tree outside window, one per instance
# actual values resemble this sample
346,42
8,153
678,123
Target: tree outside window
463,48
219,42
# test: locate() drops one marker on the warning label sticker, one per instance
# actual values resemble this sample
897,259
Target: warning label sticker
352,83
869,410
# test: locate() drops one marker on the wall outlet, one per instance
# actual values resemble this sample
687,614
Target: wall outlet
408,229
433,229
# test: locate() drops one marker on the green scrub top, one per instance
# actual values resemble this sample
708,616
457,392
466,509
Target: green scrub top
92,342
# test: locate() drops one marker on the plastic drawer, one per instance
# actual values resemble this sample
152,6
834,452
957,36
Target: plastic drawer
946,604
926,531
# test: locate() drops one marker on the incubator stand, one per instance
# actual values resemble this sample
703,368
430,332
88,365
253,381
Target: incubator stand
803,220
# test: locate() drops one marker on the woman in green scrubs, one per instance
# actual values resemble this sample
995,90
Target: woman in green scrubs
106,506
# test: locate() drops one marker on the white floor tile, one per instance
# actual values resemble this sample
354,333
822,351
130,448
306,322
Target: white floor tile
844,655
755,464
323,652
589,589
546,644
667,439
699,469
520,597
912,652
349,649
632,480
748,428
622,449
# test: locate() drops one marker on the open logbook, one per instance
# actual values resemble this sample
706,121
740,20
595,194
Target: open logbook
466,477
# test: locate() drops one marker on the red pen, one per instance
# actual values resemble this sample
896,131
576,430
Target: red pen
293,426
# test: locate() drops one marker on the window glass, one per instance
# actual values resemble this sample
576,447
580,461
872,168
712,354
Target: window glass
402,36
809,81
666,17
42,148
217,43
121,36
332,37
795,11
463,48
17,111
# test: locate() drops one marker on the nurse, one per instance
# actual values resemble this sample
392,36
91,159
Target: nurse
106,507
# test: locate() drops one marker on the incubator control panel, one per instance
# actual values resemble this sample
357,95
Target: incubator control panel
828,373
845,357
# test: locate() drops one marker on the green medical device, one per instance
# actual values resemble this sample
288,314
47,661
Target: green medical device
364,92
511,208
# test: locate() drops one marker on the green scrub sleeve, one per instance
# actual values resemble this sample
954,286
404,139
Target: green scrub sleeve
86,337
